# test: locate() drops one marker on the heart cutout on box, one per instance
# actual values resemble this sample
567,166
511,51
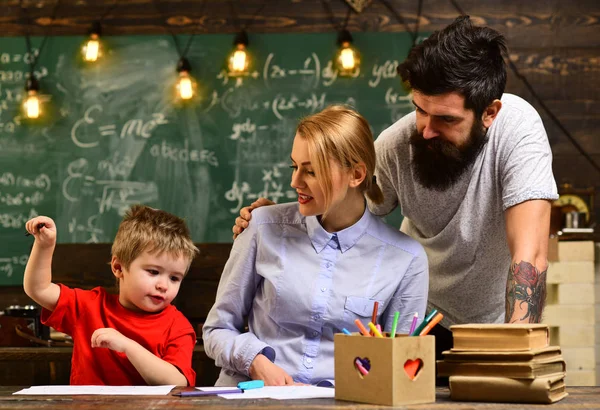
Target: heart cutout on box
362,366
413,367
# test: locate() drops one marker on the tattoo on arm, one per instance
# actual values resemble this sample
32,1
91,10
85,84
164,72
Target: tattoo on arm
525,285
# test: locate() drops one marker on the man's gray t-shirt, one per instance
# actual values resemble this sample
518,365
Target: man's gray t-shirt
463,229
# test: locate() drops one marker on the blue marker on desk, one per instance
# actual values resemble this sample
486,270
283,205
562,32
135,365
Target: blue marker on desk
195,392
346,332
252,384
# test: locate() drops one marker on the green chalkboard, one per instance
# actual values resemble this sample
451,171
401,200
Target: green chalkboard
112,135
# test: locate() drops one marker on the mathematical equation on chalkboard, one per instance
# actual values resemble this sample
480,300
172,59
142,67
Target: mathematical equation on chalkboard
20,195
116,138
311,73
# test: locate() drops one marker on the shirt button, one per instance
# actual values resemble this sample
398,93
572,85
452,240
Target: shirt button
309,360
323,289
315,334
317,317
328,264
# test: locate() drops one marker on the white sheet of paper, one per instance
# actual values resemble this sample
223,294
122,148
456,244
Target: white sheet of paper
284,393
98,390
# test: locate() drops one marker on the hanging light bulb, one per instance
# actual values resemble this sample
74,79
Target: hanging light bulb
347,60
92,49
186,86
32,104
239,60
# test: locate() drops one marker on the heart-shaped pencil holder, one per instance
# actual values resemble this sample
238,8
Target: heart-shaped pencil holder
388,371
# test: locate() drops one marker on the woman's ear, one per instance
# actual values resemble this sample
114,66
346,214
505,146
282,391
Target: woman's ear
117,267
358,175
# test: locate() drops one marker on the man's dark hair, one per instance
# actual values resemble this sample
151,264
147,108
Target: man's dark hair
461,58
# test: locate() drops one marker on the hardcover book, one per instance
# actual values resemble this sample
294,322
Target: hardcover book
499,337
547,389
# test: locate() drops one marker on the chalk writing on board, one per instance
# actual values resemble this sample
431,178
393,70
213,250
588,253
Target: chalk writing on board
15,145
234,104
167,151
120,195
244,128
7,264
10,97
8,126
27,58
16,220
311,68
117,165
397,103
311,72
273,183
117,195
386,70
21,198
11,76
214,101
225,77
90,229
41,181
279,105
83,137
313,103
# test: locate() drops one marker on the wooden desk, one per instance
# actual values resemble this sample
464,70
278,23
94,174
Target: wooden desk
579,397
52,365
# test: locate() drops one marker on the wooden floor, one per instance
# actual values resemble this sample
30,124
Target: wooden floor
579,398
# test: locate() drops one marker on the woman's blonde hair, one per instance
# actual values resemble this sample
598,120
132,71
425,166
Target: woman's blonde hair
340,133
152,230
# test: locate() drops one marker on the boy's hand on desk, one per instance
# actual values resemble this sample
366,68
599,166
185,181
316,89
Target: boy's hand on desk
110,338
264,369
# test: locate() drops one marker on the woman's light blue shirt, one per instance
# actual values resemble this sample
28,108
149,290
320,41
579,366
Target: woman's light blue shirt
298,285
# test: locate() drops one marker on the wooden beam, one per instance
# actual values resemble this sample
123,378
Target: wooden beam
543,23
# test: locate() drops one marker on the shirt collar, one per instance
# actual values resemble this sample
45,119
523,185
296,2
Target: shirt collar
344,239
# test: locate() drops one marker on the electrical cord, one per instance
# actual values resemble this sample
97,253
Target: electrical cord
34,59
236,20
108,10
331,16
181,53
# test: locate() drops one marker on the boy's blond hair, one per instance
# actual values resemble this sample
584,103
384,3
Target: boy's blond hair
152,230
342,134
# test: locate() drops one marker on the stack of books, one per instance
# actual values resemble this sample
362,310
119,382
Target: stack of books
504,363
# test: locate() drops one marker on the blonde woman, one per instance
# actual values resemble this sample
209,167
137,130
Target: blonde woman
303,271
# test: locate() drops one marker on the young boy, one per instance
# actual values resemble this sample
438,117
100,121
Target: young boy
136,337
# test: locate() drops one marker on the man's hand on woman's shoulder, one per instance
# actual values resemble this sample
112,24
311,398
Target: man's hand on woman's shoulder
241,222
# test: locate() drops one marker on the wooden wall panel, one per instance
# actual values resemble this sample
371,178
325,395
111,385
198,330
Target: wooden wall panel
537,23
565,74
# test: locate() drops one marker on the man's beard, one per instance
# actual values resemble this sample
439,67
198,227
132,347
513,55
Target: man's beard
439,164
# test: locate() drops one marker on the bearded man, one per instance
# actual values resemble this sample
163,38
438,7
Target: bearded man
471,169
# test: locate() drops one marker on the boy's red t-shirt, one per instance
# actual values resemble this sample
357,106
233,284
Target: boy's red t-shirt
167,334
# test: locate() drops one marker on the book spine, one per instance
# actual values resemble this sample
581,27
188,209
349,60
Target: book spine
498,389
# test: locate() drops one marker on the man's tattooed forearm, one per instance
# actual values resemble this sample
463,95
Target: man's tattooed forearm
525,286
